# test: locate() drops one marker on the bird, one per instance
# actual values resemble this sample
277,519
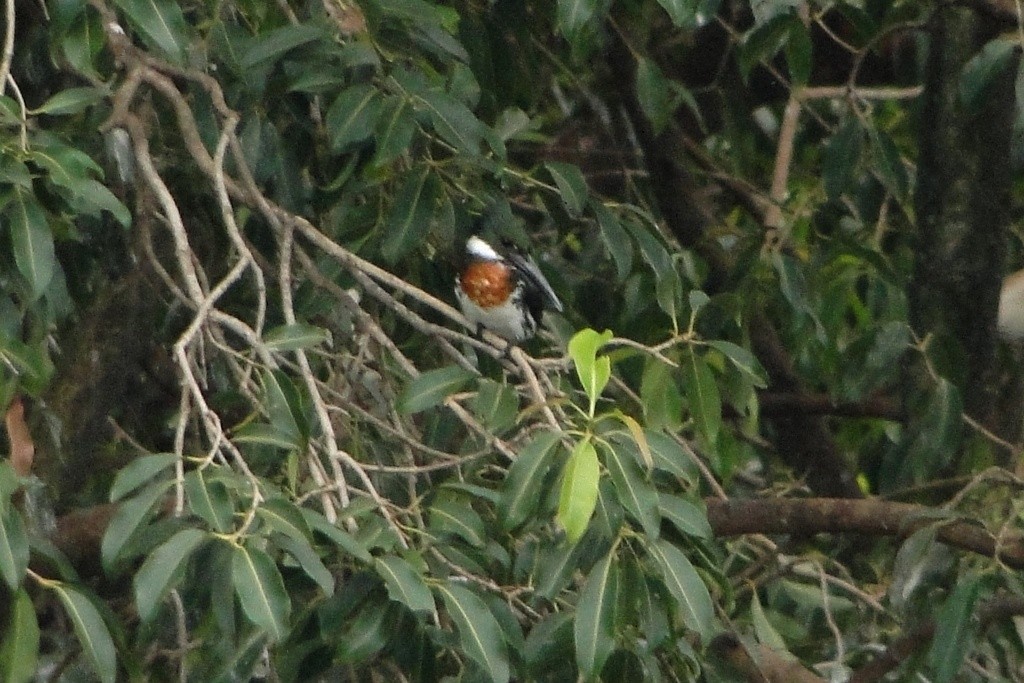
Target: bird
503,292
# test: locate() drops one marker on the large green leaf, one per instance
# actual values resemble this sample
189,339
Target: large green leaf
339,537
955,630
292,337
70,101
404,583
14,551
454,121
138,472
634,491
479,632
579,490
19,641
572,186
271,45
411,213
684,515
683,13
984,68
161,24
90,629
522,490
157,575
593,372
702,393
685,585
353,115
431,388
616,239
209,498
32,241
594,626
261,591
451,514
574,14
304,553
127,522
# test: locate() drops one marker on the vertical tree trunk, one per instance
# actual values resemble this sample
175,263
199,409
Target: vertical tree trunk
962,206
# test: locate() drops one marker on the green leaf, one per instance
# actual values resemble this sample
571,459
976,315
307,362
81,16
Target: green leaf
574,14
292,337
126,523
454,515
983,69
798,53
763,628
643,447
404,583
411,213
668,286
888,165
161,570
260,589
479,632
763,42
655,94
282,405
522,490
265,434
592,371
572,186
684,515
683,13
431,388
548,641
744,361
616,239
670,457
19,642
594,625
453,121
841,157
32,241
496,404
368,633
702,393
635,493
14,550
90,197
353,115
161,24
138,472
660,395
579,490
300,549
90,629
271,45
685,585
395,129
70,101
209,498
339,537
955,630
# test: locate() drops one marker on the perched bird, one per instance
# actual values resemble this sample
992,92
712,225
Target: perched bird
503,292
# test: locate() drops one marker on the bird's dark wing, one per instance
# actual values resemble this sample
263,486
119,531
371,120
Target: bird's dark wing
531,273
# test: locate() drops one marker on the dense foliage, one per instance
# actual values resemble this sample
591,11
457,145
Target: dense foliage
250,437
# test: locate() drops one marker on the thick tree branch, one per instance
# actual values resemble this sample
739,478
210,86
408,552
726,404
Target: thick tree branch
806,516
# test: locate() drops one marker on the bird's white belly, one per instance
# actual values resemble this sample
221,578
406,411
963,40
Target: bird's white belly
508,321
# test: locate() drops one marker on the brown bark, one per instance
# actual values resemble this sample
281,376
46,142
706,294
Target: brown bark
963,214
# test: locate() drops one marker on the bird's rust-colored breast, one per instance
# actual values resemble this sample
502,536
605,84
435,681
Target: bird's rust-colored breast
487,283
